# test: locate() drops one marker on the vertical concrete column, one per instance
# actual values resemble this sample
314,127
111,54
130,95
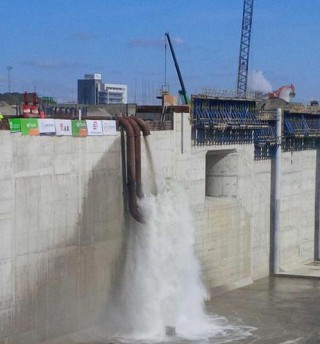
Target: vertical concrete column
182,132
317,210
275,201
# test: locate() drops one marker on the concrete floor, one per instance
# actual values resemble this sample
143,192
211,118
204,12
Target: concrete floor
283,309
304,270
277,310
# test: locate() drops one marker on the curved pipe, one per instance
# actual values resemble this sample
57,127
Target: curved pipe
137,146
143,125
131,169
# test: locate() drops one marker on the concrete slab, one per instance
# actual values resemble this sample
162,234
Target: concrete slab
277,310
310,270
284,310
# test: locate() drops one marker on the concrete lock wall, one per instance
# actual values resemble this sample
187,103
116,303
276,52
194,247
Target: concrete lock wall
63,232
297,208
61,227
225,221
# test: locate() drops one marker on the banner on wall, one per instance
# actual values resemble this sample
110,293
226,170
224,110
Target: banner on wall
109,127
46,126
63,127
14,125
94,127
29,126
79,128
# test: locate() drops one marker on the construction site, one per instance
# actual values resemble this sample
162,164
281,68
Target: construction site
94,226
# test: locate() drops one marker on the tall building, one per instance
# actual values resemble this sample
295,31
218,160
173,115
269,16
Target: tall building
91,90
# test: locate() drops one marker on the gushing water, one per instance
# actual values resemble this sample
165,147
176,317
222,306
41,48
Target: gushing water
163,284
162,287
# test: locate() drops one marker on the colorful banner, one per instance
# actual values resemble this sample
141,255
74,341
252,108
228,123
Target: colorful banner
15,125
109,127
79,128
94,127
46,126
29,126
63,127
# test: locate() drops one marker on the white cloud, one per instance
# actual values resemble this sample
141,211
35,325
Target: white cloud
258,82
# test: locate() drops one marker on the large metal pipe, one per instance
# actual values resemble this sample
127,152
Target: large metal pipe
275,223
131,170
143,126
137,149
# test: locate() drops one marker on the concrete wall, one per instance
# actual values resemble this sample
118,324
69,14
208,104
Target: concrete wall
61,227
233,226
63,232
225,221
297,208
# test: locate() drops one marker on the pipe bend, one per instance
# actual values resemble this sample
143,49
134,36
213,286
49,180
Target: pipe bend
135,126
133,134
127,126
143,125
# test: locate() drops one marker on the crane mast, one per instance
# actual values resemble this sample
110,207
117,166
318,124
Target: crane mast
244,48
183,91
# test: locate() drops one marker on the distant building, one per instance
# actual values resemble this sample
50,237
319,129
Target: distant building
112,94
88,89
91,90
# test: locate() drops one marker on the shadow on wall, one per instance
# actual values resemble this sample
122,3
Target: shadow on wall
66,285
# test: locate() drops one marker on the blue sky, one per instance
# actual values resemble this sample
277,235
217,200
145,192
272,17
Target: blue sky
51,44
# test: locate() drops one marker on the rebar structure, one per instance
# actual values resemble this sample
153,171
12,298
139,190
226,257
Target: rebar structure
244,48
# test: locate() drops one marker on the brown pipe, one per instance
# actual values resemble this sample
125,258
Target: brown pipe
137,145
143,126
131,170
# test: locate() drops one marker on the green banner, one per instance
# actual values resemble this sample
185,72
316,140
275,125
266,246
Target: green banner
29,126
14,124
79,128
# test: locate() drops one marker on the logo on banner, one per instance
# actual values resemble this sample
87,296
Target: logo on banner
94,127
29,126
46,126
15,125
109,127
63,127
79,128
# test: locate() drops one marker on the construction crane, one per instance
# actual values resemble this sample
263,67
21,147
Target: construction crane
182,92
244,48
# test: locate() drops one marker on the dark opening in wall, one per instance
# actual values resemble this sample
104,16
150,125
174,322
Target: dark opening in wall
222,173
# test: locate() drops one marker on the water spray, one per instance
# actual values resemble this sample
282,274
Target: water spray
170,331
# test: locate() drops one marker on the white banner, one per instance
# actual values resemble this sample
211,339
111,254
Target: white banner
109,127
63,127
94,127
46,126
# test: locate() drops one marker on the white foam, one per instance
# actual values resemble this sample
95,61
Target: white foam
162,284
